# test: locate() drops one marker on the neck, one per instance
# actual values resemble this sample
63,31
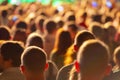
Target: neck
36,77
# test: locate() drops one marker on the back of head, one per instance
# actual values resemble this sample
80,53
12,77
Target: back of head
83,36
12,50
34,39
110,28
50,26
108,19
72,26
60,23
69,16
20,35
39,21
4,13
97,30
34,59
21,25
4,33
64,41
93,57
117,55
97,18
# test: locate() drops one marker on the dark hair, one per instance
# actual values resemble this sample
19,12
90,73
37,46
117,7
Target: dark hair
93,57
34,59
21,25
71,18
34,39
108,19
83,36
12,50
73,27
50,26
97,30
60,23
20,35
64,41
4,33
39,21
4,13
97,18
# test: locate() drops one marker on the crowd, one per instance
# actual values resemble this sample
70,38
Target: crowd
77,41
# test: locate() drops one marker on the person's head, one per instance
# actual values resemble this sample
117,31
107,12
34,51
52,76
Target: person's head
10,52
33,61
108,19
97,18
69,16
60,23
21,25
20,35
80,37
110,29
34,39
64,41
4,13
116,56
4,33
39,22
50,26
97,30
73,29
93,60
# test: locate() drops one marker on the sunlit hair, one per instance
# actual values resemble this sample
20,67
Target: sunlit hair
93,57
117,55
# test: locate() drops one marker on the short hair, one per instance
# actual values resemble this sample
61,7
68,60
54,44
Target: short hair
73,26
82,36
12,50
60,23
117,54
93,57
39,21
21,25
70,16
50,26
97,18
34,59
4,33
96,29
110,29
34,39
108,19
20,35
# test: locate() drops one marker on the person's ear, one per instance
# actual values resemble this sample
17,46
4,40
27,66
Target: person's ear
46,66
76,48
22,69
108,70
77,66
